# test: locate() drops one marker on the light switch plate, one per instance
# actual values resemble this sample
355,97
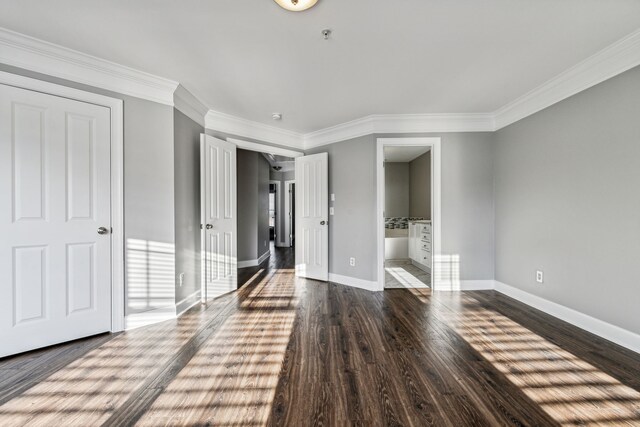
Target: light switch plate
331,210
333,197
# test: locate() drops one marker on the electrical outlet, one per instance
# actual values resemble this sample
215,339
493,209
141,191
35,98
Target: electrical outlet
180,279
331,210
352,262
539,276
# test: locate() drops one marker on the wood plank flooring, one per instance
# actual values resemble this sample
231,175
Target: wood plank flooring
287,351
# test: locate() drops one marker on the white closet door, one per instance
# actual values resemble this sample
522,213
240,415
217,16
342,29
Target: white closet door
312,213
54,197
219,223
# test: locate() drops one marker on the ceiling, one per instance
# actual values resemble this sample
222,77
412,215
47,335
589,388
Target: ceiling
286,164
251,58
403,154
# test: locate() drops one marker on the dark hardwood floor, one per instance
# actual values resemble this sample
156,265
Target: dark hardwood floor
287,351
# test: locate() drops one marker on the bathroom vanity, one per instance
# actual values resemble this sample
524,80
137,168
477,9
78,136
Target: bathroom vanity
420,244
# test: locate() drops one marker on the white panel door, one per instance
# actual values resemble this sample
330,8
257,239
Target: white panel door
219,223
312,216
54,196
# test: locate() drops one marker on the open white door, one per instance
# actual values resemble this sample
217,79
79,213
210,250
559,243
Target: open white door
218,216
55,221
312,216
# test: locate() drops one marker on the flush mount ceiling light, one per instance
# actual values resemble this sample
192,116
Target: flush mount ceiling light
296,5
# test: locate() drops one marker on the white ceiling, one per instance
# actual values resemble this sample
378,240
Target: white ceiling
250,58
403,154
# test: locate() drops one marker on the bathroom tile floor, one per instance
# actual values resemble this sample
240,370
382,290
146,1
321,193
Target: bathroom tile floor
402,274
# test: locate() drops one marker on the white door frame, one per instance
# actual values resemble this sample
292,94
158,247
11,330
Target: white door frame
287,211
278,201
436,193
264,148
117,177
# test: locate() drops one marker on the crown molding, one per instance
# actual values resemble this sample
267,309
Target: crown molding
380,123
190,105
607,63
43,57
237,126
401,123
27,52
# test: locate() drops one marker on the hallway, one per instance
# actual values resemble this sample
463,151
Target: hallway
279,258
288,351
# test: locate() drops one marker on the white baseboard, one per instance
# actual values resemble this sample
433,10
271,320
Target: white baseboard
598,327
156,315
369,285
188,302
249,263
263,257
477,285
465,285
254,262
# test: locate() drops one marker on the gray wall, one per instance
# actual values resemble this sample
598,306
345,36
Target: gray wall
567,202
263,205
420,187
467,204
247,205
187,207
352,230
253,205
396,184
149,196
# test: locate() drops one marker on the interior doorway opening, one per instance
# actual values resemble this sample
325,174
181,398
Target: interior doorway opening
263,207
408,212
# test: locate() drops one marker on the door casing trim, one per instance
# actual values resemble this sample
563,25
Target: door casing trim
287,211
436,203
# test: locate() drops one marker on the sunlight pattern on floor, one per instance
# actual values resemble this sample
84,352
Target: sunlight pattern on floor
404,278
545,372
237,369
88,390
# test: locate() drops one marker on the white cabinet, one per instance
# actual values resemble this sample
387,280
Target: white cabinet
420,244
412,232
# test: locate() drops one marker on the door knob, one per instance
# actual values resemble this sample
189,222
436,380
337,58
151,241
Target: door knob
209,226
102,230
324,222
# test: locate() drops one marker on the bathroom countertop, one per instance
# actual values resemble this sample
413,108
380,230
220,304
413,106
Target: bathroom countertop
421,221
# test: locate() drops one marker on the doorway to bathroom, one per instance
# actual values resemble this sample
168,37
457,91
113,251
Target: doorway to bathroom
406,208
